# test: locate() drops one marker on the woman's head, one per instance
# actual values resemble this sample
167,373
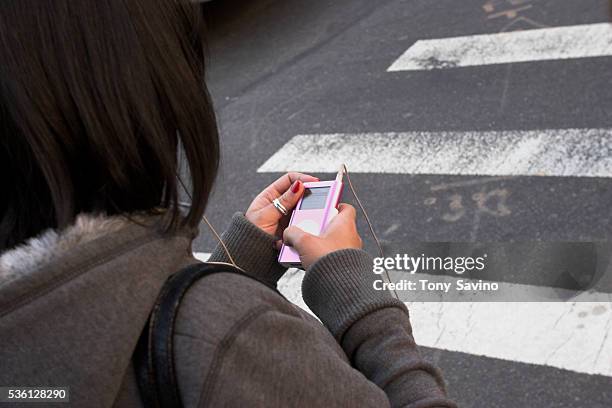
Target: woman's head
95,99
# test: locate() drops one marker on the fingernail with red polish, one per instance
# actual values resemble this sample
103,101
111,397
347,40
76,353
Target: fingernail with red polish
296,186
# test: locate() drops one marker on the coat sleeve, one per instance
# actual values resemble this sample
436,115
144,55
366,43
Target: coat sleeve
373,329
252,249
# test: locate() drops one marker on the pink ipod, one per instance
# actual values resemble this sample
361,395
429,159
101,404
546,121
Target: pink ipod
312,213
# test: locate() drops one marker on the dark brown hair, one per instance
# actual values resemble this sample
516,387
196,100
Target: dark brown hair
95,99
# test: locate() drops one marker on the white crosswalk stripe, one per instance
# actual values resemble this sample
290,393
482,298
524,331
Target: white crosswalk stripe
580,41
550,152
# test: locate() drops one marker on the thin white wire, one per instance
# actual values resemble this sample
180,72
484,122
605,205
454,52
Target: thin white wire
211,228
367,218
218,237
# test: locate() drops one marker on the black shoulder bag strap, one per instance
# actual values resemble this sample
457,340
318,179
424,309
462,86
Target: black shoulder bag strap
154,357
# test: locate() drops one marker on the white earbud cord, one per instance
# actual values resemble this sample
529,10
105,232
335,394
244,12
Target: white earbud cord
370,226
212,229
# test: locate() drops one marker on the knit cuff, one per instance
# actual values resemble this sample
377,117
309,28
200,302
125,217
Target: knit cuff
338,288
252,249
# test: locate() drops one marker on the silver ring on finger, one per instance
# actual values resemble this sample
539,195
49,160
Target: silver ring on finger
281,208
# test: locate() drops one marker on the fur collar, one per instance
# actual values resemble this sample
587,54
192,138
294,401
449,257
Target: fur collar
41,249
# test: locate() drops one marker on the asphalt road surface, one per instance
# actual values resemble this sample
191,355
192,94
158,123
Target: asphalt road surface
279,69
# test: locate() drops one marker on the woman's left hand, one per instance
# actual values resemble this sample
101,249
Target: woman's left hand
288,189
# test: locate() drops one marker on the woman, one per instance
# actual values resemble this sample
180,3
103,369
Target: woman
96,97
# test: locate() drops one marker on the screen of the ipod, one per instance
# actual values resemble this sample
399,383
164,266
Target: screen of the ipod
314,198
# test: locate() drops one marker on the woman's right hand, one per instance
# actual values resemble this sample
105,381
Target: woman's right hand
341,233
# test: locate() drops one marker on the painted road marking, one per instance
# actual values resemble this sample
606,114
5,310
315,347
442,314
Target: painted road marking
201,256
552,152
575,336
570,336
557,43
